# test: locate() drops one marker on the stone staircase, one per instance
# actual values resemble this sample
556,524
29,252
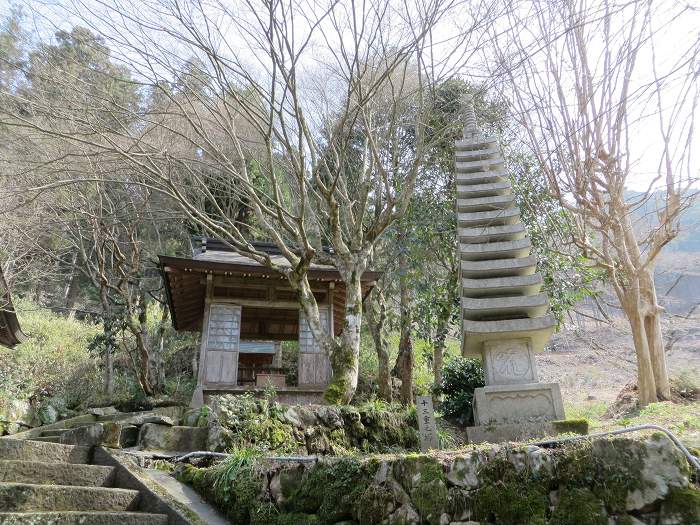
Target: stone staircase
43,482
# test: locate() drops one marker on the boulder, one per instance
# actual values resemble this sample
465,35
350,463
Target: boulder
664,467
154,436
462,471
404,515
48,415
119,435
329,417
86,435
103,411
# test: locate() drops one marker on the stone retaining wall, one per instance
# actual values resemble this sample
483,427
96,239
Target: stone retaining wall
242,421
604,482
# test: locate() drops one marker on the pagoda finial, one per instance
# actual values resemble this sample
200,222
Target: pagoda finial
470,127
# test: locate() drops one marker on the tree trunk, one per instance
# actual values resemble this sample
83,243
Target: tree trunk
439,346
404,367
646,385
108,332
70,291
404,361
345,355
652,328
376,320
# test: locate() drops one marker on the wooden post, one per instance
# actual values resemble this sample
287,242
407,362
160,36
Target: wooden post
198,394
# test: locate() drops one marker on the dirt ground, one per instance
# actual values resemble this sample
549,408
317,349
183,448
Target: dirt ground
595,362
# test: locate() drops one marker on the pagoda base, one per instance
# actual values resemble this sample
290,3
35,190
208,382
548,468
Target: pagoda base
517,404
516,432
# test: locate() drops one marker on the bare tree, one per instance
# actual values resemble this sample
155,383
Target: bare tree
270,119
588,88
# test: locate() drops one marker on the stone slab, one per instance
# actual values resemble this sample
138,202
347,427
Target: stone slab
119,435
529,403
41,473
82,518
512,432
172,438
27,497
188,497
501,286
21,450
475,333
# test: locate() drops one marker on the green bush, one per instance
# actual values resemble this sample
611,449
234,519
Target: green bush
460,377
53,362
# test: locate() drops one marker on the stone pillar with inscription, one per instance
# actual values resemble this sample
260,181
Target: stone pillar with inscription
505,318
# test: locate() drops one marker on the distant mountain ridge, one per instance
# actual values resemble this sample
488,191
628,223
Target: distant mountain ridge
645,217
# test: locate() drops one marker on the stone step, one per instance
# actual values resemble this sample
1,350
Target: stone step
464,180
537,329
495,250
21,450
502,286
55,432
479,165
477,204
479,234
28,497
499,267
484,189
489,218
46,439
55,473
82,518
476,143
489,308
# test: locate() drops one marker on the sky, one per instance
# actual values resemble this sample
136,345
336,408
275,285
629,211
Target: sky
675,33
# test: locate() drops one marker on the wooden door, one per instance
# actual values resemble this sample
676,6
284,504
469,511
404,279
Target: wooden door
314,365
222,345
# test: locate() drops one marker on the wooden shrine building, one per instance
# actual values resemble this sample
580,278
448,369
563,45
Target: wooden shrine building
10,332
244,311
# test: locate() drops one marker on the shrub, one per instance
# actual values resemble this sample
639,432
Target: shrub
460,377
53,361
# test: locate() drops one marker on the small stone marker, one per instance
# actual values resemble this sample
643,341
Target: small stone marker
426,423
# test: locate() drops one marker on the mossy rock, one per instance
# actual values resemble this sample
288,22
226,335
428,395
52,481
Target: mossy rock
413,470
511,503
374,505
331,490
572,426
681,506
610,468
579,506
298,518
429,498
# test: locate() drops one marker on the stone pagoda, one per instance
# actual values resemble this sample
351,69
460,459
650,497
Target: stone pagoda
505,318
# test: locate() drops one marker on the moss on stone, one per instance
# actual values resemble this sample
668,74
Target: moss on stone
429,499
682,504
331,490
574,426
298,518
374,504
610,468
511,503
579,506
